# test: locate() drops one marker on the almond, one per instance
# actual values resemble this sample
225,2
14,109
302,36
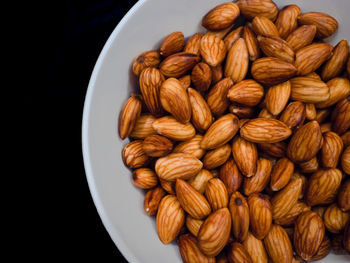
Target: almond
133,155
200,181
260,179
294,114
185,81
276,47
168,186
326,25
189,251
346,139
221,16
171,128
170,219
311,57
308,234
178,64
245,155
335,219
231,38
265,130
310,166
310,111
323,250
252,8
219,33
282,171
191,146
193,44
216,74
242,111
285,199
278,245
173,43
237,253
287,20
143,127
277,149
335,65
323,186
201,114
201,76
260,215
214,232
157,146
230,176
277,97
345,160
339,88
144,178
217,97
272,71
152,200
309,90
331,149
193,224
247,92
265,27
177,165
252,43
293,213
216,194
240,216
255,249
128,116
264,113
344,196
301,37
322,115
326,127
217,157
237,61
220,132
341,116
213,50
305,143
146,59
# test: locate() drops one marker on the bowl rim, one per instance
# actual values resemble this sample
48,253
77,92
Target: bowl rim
113,233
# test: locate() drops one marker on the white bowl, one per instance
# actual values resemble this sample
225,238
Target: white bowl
118,202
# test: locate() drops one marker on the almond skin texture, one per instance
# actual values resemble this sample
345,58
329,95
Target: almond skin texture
152,200
309,90
193,225
301,37
341,116
247,92
277,149
335,219
216,194
331,149
178,64
133,155
305,143
217,97
242,111
172,44
322,115
311,57
287,20
255,249
260,179
278,245
265,130
143,127
230,176
128,116
201,76
220,132
309,231
200,181
190,253
191,200
339,88
323,186
193,44
346,139
345,160
260,215
146,59
252,8
185,81
276,47
277,97
217,157
240,216
177,165
216,74
168,186
219,33
245,155
344,196
169,127
157,146
237,61
231,38
294,114
310,111
326,25
170,219
192,146
323,250
221,16
144,178
310,166
238,254
213,50
214,232
282,171
292,215
264,27
272,71
201,114
335,65
252,43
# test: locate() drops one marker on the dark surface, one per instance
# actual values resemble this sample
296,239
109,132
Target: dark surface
72,35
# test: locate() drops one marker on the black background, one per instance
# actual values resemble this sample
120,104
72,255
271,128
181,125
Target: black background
69,36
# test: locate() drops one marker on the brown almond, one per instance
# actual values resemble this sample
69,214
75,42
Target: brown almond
146,59
168,186
238,254
193,224
294,114
265,27
143,126
173,43
232,37
331,149
282,171
128,116
326,127
309,90
335,65
152,200
278,245
346,139
339,88
322,115
242,111
310,111
157,146
200,181
247,92
252,43
216,74
252,8
255,249
277,97
344,196
216,194
341,116
326,25
277,149
217,97
237,61
230,176
260,216
260,179
201,76
221,16
301,37
193,44
323,250
144,178
292,215
276,47
245,155
185,81
189,251
219,33
217,157
345,160
178,64
169,127
310,166
213,50
133,155
240,216
201,114
191,146
287,20
335,219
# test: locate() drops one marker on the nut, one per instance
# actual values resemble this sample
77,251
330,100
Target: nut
230,176
216,194
178,64
193,44
278,245
172,129
191,146
252,8
133,155
128,116
217,97
273,46
221,16
309,90
301,37
212,49
217,157
201,76
146,59
247,92
237,61
277,97
172,44
260,215
152,200
326,25
287,20
190,252
264,27
245,155
144,178
240,216
201,114
282,171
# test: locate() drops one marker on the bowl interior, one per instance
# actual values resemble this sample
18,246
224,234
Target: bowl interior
118,202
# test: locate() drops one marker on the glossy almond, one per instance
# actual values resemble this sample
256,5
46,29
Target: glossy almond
152,200
245,155
191,146
341,116
323,186
189,251
168,186
277,149
193,44
201,114
214,232
170,219
252,8
157,146
282,171
238,254
242,111
326,25
277,97
177,165
310,111
144,178
255,249
264,27
217,157
344,196
290,218
301,37
178,64
237,61
247,92
258,182
305,143
201,76
240,216
287,20
339,88
260,215
309,90
173,43
230,176
252,43
169,127
128,116
221,16
265,130
335,65
322,115
217,97
231,38
185,81
294,114
133,155
216,194
143,127
346,138
193,225
276,47
323,250
220,132
272,71
310,166
200,181
146,59
212,49
216,74
335,219
345,160
309,231
278,245
331,149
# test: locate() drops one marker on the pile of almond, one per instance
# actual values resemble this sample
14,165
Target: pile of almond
241,136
